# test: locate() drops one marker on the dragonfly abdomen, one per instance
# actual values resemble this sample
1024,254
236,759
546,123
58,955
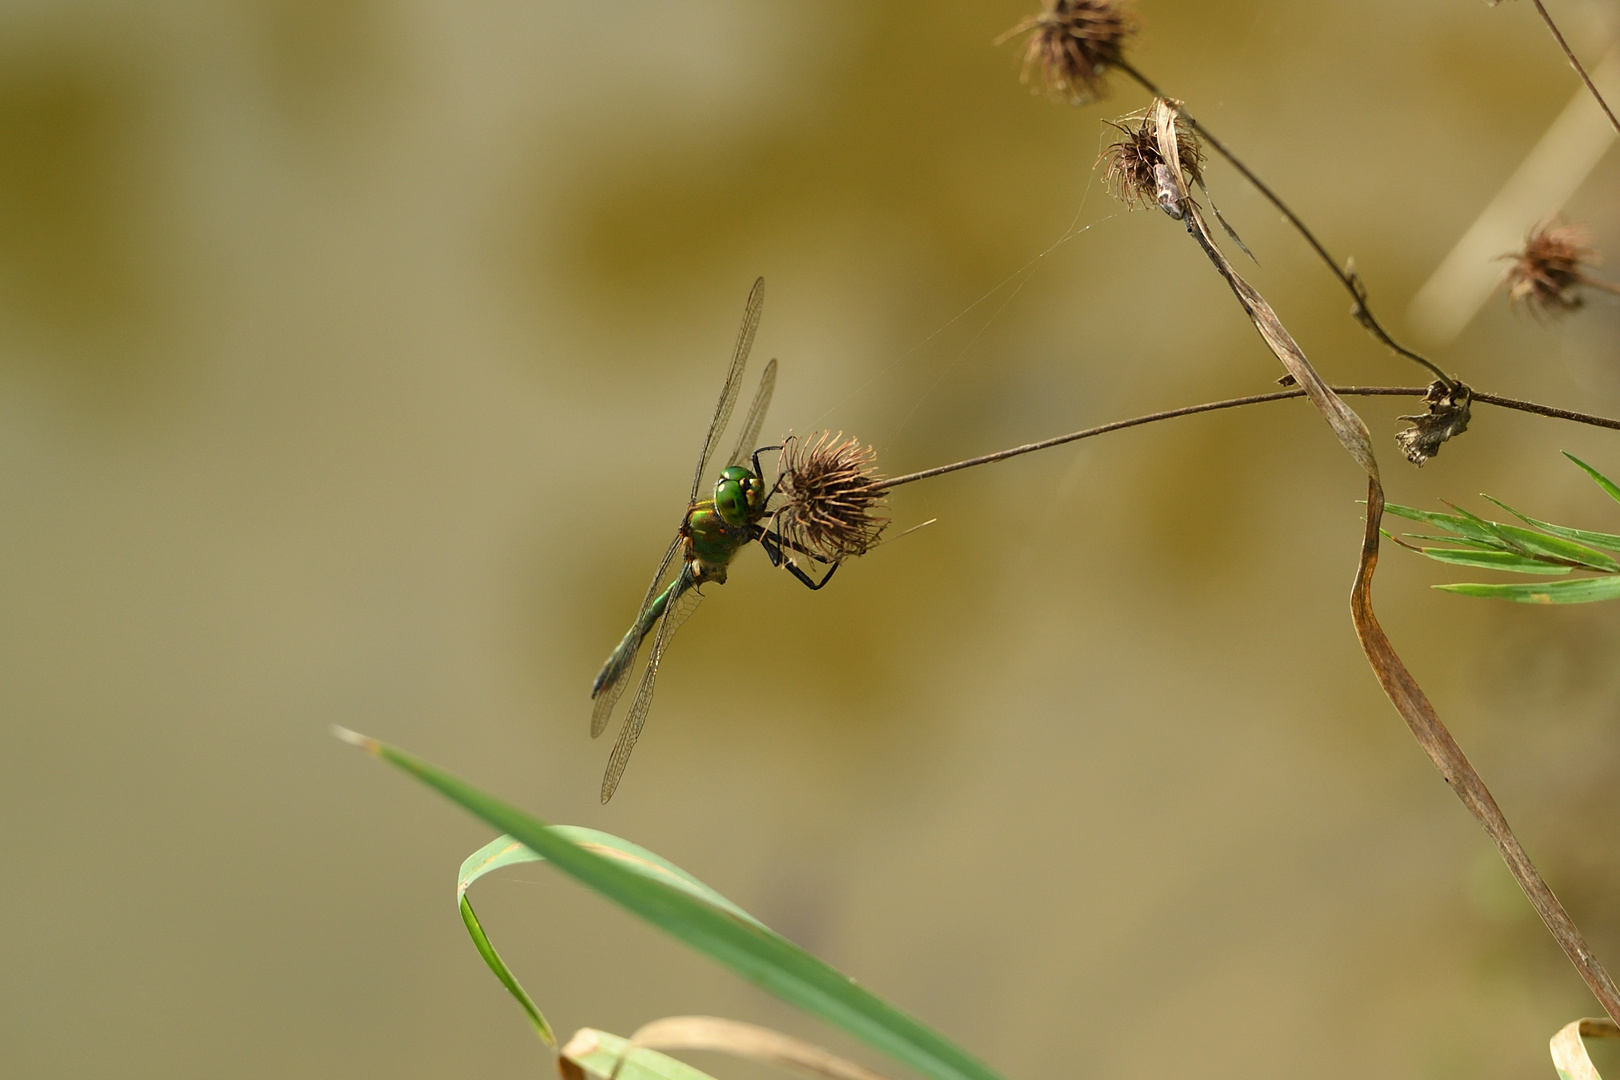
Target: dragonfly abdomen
624,654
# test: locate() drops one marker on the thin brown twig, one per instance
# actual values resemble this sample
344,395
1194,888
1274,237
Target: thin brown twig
1547,410
1358,292
1569,54
1233,403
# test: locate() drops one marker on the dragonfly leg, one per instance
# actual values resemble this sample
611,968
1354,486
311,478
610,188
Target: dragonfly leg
758,471
809,582
774,542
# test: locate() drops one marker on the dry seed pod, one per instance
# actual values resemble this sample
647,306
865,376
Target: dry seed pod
1074,43
1134,168
831,488
1544,278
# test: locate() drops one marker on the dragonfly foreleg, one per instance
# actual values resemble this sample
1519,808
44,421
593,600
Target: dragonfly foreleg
758,471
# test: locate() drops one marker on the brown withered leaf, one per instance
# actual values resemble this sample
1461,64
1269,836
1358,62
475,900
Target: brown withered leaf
1569,1052
1447,415
1396,680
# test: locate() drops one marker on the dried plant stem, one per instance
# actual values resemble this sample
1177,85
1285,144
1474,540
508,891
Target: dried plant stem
1398,684
1576,64
1363,314
1547,410
1235,403
1453,765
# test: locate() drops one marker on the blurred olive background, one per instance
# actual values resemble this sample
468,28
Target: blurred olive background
353,358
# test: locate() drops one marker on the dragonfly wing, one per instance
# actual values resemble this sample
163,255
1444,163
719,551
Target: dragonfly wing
728,393
748,440
611,680
679,609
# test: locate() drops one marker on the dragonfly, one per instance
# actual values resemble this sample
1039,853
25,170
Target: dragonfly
711,533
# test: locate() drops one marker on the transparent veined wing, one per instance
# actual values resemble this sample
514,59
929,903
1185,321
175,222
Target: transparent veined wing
728,393
748,438
682,603
611,680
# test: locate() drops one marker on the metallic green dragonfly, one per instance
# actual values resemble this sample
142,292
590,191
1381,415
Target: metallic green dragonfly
711,533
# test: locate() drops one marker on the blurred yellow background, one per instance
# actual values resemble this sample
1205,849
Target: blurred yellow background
353,358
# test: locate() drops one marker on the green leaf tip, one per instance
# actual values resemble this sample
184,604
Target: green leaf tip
1602,481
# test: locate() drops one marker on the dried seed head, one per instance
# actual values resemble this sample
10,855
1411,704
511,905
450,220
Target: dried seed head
1544,277
1448,415
829,485
1074,43
1134,168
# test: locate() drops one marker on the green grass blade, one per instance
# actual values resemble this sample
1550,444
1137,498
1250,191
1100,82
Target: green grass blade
751,950
1479,544
1493,560
503,973
1533,544
1602,481
505,851
598,1053
1554,547
1455,523
1574,591
1582,536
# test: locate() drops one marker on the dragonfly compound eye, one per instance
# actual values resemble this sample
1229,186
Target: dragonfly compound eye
735,495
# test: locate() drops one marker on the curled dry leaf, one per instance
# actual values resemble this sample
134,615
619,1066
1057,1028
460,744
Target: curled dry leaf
748,1041
1569,1052
1073,43
602,1055
1447,415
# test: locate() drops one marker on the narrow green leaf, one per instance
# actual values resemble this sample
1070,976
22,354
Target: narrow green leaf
1456,523
1533,544
503,973
505,851
1602,481
1584,536
599,1053
741,944
1494,560
1489,529
1554,547
1574,591
1480,544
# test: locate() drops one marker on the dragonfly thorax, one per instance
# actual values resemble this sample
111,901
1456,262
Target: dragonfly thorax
739,495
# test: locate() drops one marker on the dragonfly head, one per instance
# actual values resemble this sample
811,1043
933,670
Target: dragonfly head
739,495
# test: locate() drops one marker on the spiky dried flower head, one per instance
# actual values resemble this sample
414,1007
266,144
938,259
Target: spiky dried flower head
1545,276
1134,168
830,483
1074,43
